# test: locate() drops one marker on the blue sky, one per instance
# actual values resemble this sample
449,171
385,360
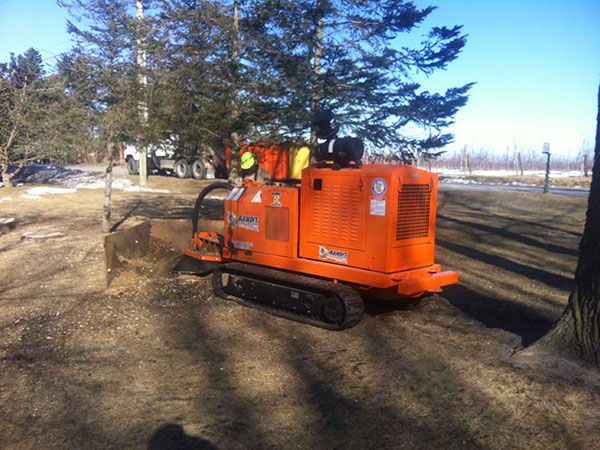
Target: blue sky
537,68
536,64
40,24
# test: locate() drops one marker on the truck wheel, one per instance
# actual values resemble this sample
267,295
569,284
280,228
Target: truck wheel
182,169
198,170
132,166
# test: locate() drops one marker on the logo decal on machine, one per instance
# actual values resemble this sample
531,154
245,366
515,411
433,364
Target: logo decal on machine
334,255
246,222
379,186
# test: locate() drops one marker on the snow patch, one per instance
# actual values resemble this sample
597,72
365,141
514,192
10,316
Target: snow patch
506,173
75,179
145,189
42,234
43,190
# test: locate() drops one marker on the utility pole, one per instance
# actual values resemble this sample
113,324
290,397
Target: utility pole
143,80
546,150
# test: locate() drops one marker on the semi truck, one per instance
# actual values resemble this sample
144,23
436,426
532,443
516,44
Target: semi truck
164,159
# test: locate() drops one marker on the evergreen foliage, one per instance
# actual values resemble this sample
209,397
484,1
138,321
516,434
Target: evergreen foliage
100,71
343,55
33,110
208,84
223,72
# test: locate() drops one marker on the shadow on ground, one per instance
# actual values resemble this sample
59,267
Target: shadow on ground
173,437
515,255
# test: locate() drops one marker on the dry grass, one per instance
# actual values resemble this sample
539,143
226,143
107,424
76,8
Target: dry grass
157,360
185,186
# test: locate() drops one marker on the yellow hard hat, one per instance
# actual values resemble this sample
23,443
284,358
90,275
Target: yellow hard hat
247,160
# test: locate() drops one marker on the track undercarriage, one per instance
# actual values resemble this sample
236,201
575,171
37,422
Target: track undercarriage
304,299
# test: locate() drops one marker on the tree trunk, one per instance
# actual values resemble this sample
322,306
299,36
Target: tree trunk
577,333
315,101
108,190
142,106
234,152
234,157
6,179
6,149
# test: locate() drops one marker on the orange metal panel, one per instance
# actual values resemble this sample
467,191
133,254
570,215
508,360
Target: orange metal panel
372,227
377,217
427,283
358,277
274,158
262,219
333,209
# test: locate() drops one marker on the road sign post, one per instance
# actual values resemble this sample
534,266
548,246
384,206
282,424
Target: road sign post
546,150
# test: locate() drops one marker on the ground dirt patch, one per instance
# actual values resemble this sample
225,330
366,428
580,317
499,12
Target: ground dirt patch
156,360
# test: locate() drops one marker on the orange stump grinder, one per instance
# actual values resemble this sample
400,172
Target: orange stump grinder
308,252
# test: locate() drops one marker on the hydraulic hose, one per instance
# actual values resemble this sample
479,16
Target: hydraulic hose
203,193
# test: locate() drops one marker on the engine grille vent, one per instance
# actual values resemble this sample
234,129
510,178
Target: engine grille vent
413,211
336,214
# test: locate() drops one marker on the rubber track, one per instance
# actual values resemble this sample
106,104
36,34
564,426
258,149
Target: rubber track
351,299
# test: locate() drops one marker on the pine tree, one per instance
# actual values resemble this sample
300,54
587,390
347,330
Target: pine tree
66,126
20,112
208,84
103,74
188,95
343,55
